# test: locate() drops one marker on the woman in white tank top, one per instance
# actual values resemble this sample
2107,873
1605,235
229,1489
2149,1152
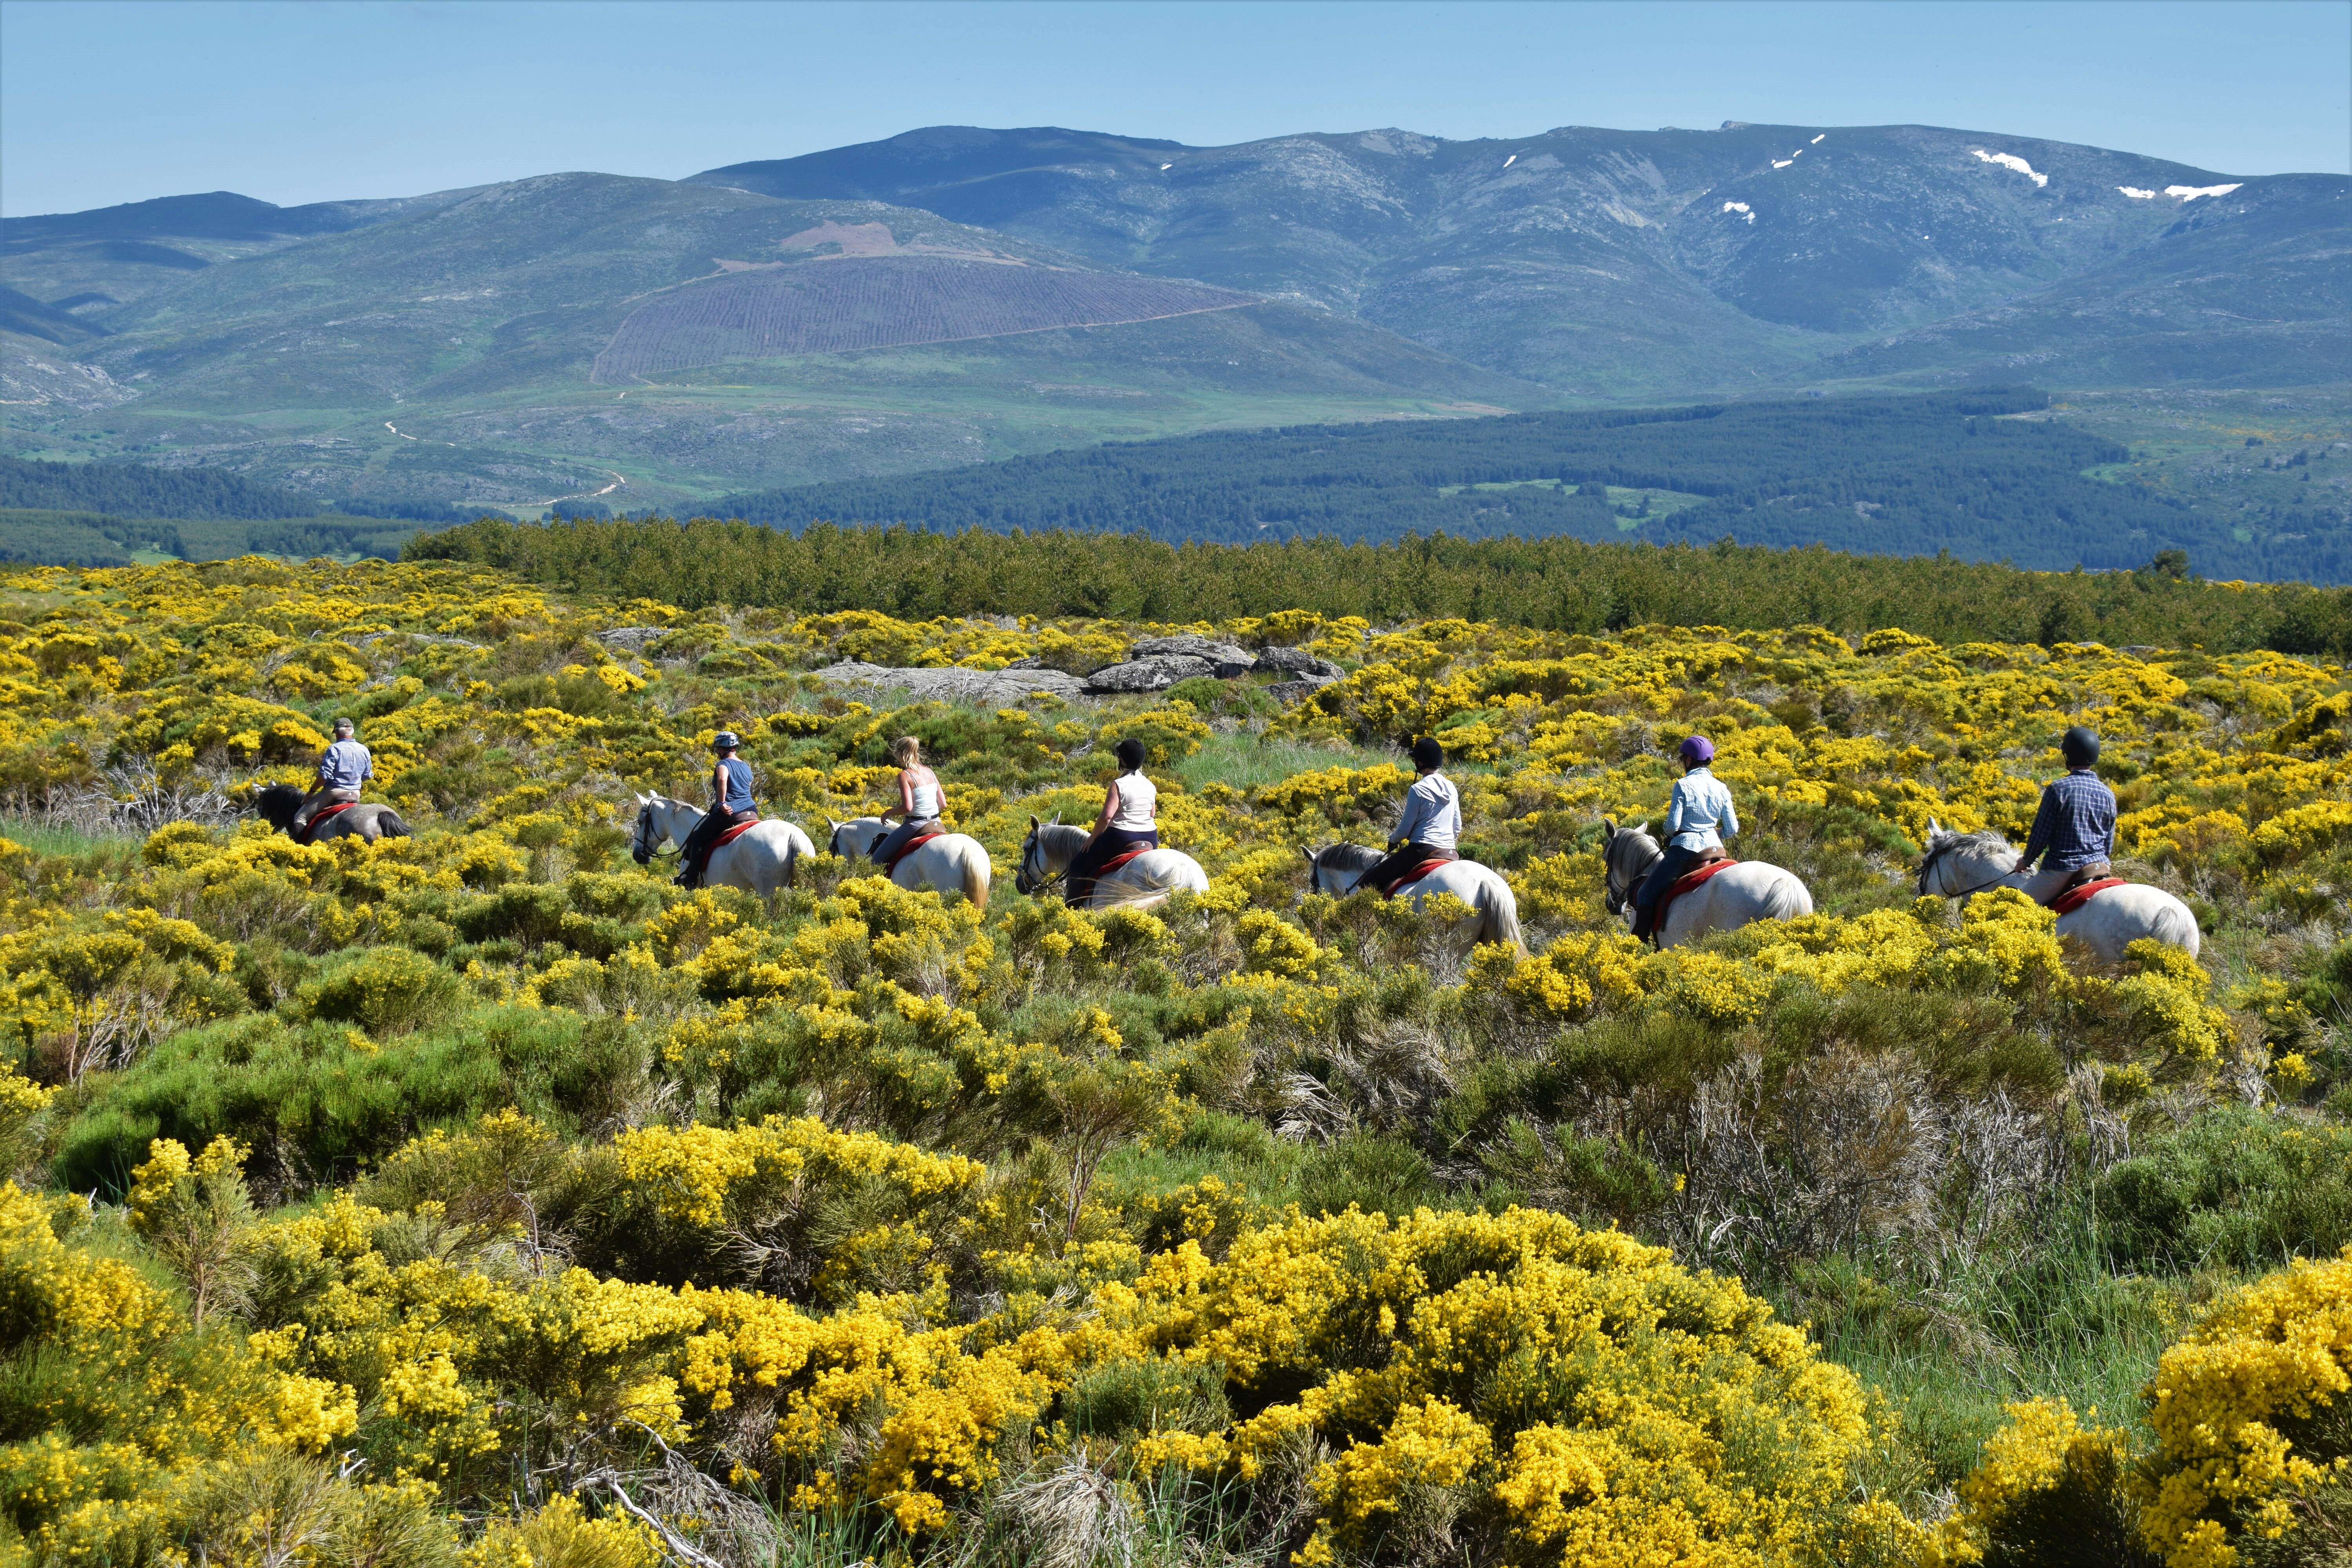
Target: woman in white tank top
1129,820
918,802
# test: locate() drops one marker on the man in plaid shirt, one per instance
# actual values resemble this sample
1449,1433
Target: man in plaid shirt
2074,829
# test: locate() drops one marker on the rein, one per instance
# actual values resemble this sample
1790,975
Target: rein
1927,868
1031,886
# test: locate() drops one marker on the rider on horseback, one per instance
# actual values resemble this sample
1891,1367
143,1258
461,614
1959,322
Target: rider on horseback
1700,815
342,768
730,806
1430,826
2073,832
1129,819
918,802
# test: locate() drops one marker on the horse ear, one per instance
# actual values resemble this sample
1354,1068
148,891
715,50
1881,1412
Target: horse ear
1611,823
1308,853
831,824
1934,827
1033,821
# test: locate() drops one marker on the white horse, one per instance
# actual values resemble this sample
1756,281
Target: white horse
1746,893
1337,869
765,856
951,863
1141,883
1961,863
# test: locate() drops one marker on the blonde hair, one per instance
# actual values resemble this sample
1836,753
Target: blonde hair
905,751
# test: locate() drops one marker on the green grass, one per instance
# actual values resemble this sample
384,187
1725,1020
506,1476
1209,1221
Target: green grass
1247,762
52,838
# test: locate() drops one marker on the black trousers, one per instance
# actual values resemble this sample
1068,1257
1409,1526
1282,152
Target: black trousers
697,847
1400,864
1676,863
1079,884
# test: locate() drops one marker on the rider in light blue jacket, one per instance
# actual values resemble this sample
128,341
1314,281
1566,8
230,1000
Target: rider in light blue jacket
1699,820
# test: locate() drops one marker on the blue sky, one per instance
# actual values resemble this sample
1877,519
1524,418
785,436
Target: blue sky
103,102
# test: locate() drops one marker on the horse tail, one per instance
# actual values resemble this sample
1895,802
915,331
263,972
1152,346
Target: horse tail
1501,910
975,880
2175,924
390,824
1787,898
791,862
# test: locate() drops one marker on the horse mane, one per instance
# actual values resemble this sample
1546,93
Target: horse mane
1349,857
1059,836
1989,838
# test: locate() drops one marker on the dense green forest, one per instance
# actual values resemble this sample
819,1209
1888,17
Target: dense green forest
1563,585
140,490
1905,476
45,537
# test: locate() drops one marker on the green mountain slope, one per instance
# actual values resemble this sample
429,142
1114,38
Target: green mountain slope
1613,263
644,342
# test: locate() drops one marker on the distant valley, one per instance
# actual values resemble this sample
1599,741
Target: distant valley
958,295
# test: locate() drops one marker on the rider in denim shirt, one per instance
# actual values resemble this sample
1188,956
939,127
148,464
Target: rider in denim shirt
1697,821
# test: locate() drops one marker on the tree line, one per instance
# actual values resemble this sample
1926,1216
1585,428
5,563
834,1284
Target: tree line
1557,584
1910,475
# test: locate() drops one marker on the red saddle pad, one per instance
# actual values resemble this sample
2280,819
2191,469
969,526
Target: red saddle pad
912,845
1427,868
2068,902
310,828
1683,884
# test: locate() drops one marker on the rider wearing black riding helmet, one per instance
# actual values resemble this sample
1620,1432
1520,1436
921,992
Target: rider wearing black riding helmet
2074,828
1430,826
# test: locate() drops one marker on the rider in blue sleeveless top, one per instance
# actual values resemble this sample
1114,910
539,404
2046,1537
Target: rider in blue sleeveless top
730,806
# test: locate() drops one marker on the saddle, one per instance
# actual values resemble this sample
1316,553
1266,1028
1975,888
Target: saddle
2078,894
309,832
1428,868
908,848
1121,859
690,874
1717,861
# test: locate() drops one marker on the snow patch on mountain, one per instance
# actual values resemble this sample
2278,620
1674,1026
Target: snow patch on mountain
2011,161
2191,193
2135,193
1740,208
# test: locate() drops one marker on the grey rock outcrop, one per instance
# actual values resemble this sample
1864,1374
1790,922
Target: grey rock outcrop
986,688
1290,693
1225,660
629,639
1298,662
1155,672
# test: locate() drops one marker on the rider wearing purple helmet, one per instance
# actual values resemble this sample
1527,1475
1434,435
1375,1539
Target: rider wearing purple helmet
1700,815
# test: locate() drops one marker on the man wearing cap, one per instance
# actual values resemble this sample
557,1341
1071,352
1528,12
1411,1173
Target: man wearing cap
342,768
1698,818
1430,826
730,806
2073,832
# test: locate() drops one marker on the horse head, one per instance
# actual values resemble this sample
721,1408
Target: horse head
276,803
645,837
1958,864
1036,871
1626,854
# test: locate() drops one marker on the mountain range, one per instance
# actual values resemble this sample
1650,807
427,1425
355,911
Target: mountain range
958,294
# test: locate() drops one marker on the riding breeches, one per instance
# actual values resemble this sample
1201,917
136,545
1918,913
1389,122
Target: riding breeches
1114,842
318,800
894,844
2043,887
696,850
1402,864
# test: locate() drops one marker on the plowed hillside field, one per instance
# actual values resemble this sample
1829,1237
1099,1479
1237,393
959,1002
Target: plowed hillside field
833,305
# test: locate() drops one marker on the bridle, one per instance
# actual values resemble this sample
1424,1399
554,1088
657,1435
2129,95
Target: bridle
1028,881
1615,895
833,845
641,847
1936,855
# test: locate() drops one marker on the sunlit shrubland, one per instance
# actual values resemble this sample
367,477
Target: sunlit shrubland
492,1195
